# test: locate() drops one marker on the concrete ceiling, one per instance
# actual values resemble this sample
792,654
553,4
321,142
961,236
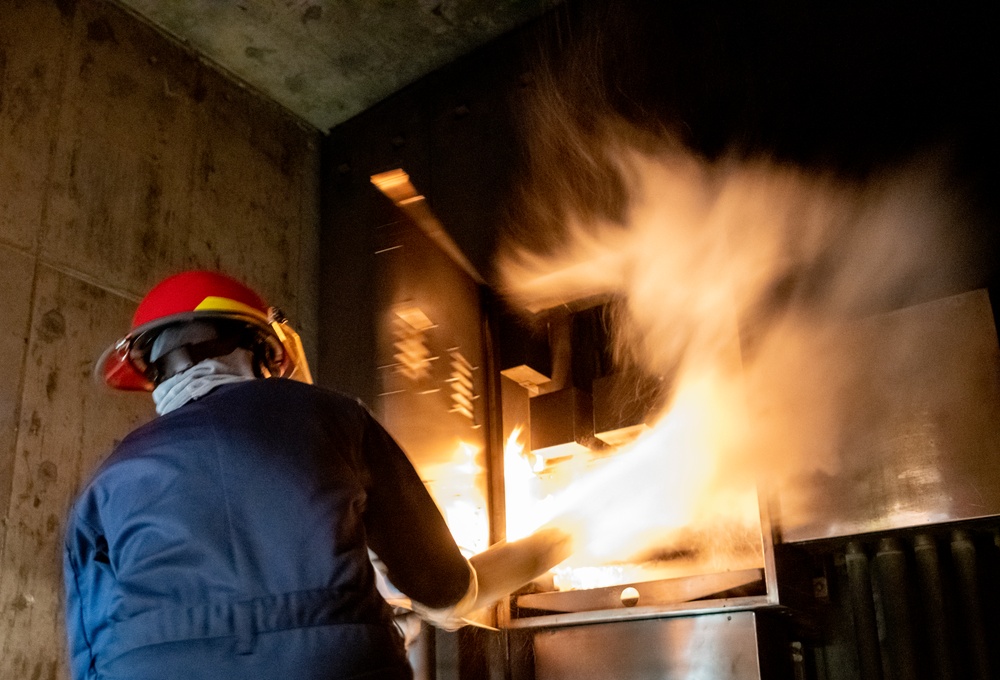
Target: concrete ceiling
328,60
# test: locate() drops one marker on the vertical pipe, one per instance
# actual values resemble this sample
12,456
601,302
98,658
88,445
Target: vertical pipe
964,554
447,652
798,662
863,606
495,427
890,564
932,595
420,653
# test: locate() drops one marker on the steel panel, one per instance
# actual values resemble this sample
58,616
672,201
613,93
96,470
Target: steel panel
710,647
920,442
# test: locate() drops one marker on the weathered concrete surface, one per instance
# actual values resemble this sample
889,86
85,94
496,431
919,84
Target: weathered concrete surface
31,75
328,60
15,291
165,165
122,159
68,424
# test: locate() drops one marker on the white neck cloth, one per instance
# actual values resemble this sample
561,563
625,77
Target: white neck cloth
197,381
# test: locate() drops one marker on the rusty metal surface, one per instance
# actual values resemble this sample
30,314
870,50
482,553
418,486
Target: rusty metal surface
562,423
712,647
417,373
430,373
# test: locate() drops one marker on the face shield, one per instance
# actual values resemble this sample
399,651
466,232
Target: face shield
192,297
295,355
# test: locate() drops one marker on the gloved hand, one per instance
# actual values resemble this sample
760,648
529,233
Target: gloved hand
494,574
447,618
505,567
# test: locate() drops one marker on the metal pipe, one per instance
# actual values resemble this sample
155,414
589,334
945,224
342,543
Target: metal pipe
890,565
931,590
863,607
963,553
420,654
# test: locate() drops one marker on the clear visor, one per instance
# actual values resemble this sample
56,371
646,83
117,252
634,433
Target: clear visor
295,355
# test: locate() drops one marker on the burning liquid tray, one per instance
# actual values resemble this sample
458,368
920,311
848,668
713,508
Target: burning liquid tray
741,589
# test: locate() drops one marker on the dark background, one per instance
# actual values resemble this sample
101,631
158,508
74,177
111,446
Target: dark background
848,89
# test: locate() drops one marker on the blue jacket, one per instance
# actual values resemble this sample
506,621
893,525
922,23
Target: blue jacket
229,539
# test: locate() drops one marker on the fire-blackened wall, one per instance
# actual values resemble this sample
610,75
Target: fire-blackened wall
123,158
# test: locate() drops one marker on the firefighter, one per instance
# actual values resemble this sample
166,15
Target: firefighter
229,537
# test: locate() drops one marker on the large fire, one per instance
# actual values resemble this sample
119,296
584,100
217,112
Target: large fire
630,511
458,485
760,262
737,280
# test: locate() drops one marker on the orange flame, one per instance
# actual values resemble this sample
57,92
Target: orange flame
781,254
637,501
458,486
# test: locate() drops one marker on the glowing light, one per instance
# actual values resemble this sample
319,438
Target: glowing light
458,487
526,500
585,578
469,524
641,499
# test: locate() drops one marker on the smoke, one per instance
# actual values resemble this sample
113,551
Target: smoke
752,275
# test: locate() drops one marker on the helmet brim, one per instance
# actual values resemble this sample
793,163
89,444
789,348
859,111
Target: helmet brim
120,368
115,369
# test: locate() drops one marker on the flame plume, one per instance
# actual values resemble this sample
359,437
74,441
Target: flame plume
730,277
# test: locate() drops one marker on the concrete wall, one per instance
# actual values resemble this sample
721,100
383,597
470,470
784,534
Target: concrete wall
122,159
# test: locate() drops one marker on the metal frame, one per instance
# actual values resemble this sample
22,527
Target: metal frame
770,536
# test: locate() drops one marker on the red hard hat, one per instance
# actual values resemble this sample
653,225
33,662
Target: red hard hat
183,297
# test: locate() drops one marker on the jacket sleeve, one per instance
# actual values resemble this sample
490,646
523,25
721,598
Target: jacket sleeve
405,528
80,653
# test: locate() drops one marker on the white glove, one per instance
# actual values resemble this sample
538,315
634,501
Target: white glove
453,617
493,574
